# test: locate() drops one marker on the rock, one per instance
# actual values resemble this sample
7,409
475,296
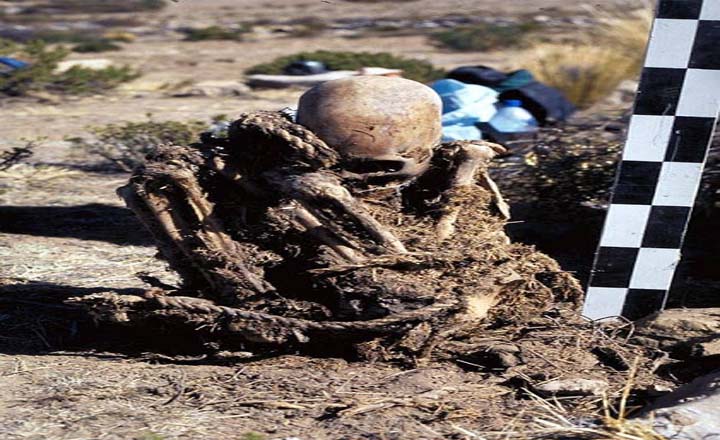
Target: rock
572,387
93,64
145,85
683,333
438,393
214,89
711,348
691,412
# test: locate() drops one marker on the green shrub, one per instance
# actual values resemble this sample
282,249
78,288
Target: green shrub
483,37
41,73
215,33
418,70
97,45
63,36
150,436
38,75
96,6
82,81
124,146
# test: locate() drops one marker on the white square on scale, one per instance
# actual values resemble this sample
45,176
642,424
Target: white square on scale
700,95
710,10
677,184
604,302
625,225
671,43
648,138
654,268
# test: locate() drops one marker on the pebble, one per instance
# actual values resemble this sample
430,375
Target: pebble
572,387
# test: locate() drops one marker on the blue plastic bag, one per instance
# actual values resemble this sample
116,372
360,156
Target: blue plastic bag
464,106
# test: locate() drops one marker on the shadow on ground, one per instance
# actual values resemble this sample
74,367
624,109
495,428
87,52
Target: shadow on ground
93,221
572,240
36,319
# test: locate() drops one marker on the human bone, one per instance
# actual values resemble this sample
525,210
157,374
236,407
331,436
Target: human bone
375,118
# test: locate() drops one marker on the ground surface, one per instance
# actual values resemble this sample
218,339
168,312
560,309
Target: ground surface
63,231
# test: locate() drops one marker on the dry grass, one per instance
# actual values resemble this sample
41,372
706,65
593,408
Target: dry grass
585,74
591,68
550,419
34,174
19,176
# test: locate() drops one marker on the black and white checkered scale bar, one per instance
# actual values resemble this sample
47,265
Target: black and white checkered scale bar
668,139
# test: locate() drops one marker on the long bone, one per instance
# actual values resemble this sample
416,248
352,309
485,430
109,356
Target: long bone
323,190
471,161
178,213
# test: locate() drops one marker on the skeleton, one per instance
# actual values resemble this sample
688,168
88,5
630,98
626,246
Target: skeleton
270,228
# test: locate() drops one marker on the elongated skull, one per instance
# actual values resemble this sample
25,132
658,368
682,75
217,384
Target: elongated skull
381,126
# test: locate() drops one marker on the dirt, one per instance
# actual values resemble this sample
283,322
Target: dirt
111,397
64,233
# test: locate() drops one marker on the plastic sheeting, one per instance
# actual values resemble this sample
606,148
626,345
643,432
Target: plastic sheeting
464,106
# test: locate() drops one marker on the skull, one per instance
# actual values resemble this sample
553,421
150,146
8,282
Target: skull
381,126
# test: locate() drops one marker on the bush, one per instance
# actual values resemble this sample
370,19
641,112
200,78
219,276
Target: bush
418,70
564,171
16,155
215,33
308,27
122,36
96,45
38,75
592,68
82,81
79,38
483,37
96,6
125,145
74,36
585,74
41,73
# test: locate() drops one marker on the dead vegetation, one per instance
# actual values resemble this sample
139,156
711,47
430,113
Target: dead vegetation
41,75
14,156
124,146
591,66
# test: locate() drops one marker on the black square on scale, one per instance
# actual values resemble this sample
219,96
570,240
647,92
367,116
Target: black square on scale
636,182
659,91
642,302
666,227
705,52
679,9
689,139
613,267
